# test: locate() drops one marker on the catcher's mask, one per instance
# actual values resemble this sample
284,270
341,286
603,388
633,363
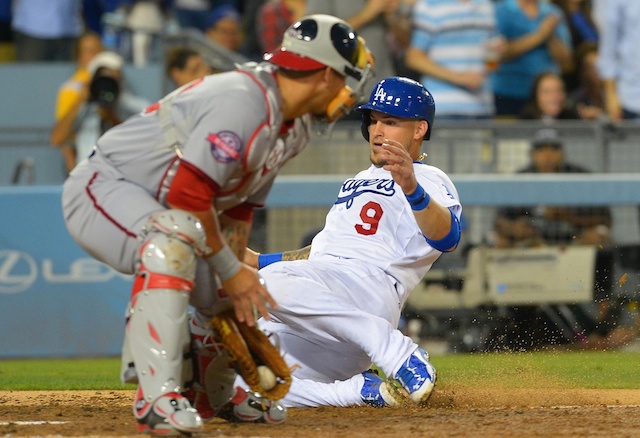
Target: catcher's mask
399,97
321,40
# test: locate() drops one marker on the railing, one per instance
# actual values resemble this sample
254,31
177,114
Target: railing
27,158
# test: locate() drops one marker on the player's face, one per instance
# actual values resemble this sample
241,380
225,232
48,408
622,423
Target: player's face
384,127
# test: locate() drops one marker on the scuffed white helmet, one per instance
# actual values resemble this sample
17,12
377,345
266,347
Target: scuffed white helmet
319,40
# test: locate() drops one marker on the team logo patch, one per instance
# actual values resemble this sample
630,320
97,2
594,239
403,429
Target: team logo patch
352,188
225,146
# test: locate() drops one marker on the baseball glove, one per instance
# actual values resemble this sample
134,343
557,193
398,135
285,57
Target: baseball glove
250,348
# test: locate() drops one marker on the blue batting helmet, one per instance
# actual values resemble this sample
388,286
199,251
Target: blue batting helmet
399,97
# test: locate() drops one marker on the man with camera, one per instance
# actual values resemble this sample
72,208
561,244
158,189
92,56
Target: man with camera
103,104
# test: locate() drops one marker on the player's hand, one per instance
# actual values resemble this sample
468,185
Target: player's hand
251,257
400,164
248,294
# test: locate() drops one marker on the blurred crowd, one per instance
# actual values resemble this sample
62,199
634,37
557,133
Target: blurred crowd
481,59
528,59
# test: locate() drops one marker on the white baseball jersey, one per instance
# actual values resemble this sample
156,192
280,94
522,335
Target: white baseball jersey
339,310
372,221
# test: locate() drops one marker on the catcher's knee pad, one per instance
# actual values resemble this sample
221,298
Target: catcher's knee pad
157,336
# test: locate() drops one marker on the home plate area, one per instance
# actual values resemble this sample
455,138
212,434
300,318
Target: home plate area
451,411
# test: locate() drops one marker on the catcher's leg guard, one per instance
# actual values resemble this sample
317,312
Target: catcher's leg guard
157,335
213,371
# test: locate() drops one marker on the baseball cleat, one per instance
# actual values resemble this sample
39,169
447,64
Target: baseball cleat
169,415
417,376
248,406
380,393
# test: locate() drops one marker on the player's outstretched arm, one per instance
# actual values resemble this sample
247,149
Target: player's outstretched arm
439,226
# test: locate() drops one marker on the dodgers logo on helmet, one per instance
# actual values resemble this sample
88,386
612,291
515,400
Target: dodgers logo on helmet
400,97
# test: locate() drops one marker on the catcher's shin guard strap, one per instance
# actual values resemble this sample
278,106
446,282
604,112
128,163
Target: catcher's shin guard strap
152,280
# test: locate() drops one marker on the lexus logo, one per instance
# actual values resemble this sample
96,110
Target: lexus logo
18,271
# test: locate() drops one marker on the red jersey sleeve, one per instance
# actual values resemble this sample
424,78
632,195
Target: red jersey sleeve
191,189
242,212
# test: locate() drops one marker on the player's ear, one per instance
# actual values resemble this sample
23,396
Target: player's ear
421,129
328,75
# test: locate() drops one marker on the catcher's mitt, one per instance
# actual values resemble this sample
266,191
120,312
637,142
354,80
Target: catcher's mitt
249,347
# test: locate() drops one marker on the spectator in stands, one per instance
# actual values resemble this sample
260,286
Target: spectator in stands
185,65
250,39
103,103
538,40
583,30
46,30
548,100
373,20
192,14
146,19
399,39
274,17
534,226
88,46
578,17
588,95
448,50
224,27
618,55
6,37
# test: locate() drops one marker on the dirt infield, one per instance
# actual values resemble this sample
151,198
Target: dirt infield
451,412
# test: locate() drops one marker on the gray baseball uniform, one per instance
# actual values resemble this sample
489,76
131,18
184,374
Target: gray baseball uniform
226,128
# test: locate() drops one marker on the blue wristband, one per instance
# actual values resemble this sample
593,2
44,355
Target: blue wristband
419,199
267,259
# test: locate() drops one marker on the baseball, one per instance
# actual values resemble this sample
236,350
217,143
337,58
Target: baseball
267,378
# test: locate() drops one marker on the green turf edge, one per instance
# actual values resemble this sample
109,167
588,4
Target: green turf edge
598,370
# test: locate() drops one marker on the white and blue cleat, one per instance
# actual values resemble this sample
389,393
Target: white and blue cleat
380,393
417,376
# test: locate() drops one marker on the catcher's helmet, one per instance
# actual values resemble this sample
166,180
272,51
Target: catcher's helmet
319,40
399,97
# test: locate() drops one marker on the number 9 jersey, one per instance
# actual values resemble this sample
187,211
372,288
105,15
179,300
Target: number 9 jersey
372,221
